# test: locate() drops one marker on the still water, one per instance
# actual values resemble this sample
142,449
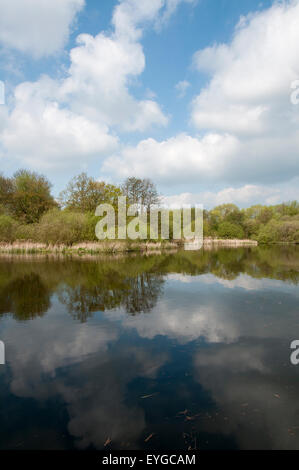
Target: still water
166,351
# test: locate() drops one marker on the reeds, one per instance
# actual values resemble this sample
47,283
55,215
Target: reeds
229,242
107,246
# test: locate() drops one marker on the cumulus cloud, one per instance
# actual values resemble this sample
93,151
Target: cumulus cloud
37,27
103,68
243,196
249,130
180,158
251,76
101,71
39,126
55,123
212,159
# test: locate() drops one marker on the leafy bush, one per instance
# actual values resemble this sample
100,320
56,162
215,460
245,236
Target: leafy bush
63,227
8,227
27,232
268,233
230,230
280,231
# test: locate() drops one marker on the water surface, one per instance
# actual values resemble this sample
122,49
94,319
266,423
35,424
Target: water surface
170,351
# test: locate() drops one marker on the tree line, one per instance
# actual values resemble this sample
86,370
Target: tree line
266,224
29,211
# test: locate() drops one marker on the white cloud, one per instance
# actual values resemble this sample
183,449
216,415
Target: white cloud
248,94
215,158
170,8
249,130
243,196
182,88
131,14
55,123
43,135
176,159
37,27
101,71
251,76
105,66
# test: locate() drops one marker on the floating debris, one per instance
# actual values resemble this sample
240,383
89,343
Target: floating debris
149,396
107,442
189,418
149,437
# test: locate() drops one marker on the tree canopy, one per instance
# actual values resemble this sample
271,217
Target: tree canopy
141,191
28,210
84,193
27,196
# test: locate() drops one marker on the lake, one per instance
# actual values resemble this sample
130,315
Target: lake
186,350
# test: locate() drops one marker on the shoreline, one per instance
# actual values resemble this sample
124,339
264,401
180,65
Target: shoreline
229,242
23,247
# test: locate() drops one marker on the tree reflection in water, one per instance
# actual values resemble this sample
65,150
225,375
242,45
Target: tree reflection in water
133,283
210,358
25,297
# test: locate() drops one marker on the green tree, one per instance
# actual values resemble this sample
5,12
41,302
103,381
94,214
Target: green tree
229,230
84,194
8,227
31,196
65,226
225,210
6,193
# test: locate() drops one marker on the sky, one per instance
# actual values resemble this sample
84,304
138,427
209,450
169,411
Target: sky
194,94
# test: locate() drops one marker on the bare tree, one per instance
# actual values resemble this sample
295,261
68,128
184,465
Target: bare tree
141,192
150,196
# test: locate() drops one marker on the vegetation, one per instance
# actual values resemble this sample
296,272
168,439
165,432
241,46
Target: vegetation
85,194
141,191
26,196
133,282
266,224
28,211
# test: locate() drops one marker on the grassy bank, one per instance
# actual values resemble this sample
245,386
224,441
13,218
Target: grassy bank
116,246
20,247
229,242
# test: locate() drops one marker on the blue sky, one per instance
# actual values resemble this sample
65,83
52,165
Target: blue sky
194,94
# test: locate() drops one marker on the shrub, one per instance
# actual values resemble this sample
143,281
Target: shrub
27,232
268,233
8,227
62,227
230,230
279,231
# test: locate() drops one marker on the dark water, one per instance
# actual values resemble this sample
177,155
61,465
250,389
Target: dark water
192,349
